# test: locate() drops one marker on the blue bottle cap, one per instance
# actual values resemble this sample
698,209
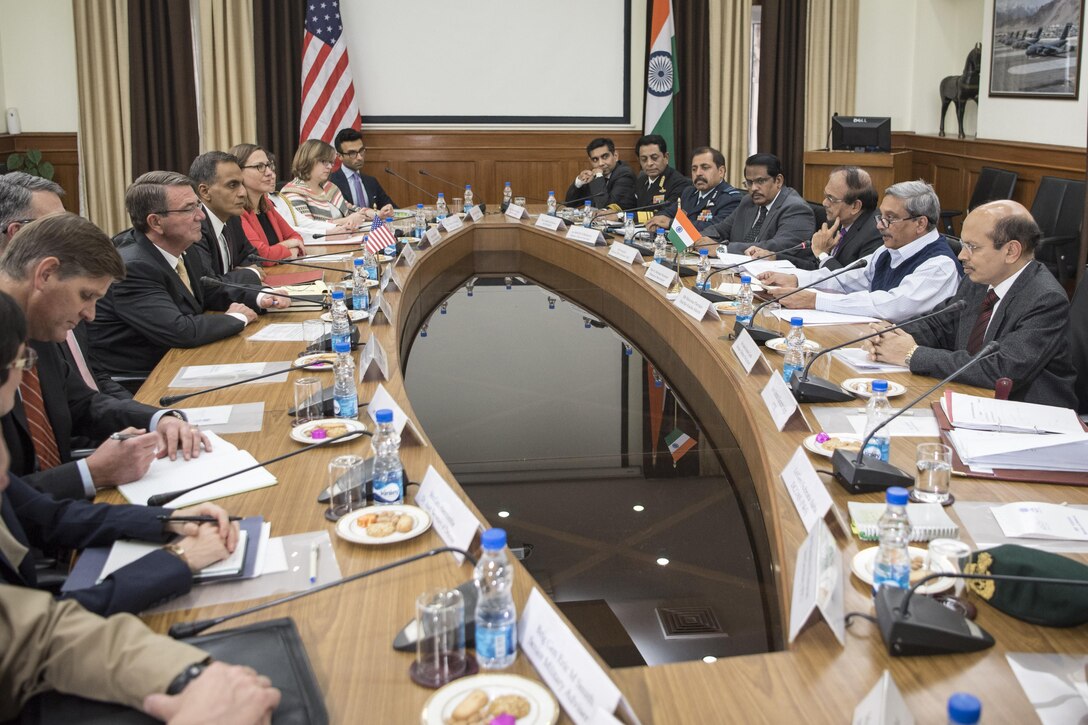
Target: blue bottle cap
338,294
442,195
468,186
704,252
493,539
419,206
358,262
589,203
630,215
341,346
551,193
797,321
880,386
963,708
660,232
385,415
507,183
745,279
896,496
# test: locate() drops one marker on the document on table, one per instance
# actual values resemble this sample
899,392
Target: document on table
200,376
1054,684
858,360
1008,416
211,415
1022,451
815,318
1036,520
238,418
123,553
279,332
905,425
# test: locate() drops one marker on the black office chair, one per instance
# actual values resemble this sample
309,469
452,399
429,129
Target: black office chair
992,184
818,211
1058,209
1078,341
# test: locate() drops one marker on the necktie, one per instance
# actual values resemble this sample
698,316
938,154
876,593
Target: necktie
41,430
838,243
754,231
224,251
81,362
978,332
359,191
184,274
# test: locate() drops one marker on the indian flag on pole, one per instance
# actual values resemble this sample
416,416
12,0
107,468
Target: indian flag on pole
679,443
682,233
661,74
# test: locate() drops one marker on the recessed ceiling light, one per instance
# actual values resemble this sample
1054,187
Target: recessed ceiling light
662,561
638,507
710,659
504,514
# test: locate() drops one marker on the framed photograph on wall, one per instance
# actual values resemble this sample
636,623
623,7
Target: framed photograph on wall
1035,48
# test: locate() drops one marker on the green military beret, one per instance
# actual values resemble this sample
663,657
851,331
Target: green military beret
1049,605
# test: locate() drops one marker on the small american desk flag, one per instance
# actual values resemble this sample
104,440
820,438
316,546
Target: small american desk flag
380,237
328,94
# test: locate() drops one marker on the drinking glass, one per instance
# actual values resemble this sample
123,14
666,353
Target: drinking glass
440,637
347,486
951,556
933,483
308,403
312,331
520,201
457,206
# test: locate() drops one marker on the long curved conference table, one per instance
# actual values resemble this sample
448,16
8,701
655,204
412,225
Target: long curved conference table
348,631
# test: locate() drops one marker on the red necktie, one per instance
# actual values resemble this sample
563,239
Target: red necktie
41,430
978,332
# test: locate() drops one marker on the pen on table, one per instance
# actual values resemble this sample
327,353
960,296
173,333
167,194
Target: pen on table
125,436
313,562
195,519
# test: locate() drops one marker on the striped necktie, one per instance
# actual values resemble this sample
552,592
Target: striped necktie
41,430
761,214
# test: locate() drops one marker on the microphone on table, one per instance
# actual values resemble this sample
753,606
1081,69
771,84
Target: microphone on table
424,172
931,628
762,334
818,390
414,186
863,475
299,264
168,400
718,296
312,299
161,499
190,629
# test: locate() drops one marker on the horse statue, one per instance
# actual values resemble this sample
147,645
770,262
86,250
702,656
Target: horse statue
962,88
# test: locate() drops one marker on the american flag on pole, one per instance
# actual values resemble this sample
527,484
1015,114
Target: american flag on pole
380,236
328,95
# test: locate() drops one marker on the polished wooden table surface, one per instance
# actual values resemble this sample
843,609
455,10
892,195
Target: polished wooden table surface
348,631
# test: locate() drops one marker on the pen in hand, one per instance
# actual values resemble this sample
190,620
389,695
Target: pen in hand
125,436
194,519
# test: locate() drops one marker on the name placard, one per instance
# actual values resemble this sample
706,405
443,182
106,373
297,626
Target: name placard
382,311
451,518
382,399
624,253
884,705
516,212
475,213
390,282
807,491
696,305
431,238
660,274
554,223
452,223
373,362
780,401
746,351
586,235
407,256
818,583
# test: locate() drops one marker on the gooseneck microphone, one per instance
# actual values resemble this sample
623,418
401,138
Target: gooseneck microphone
168,400
414,186
190,629
864,475
719,297
161,499
312,299
297,263
818,390
762,334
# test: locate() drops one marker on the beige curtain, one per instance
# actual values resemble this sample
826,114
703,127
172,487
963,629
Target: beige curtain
831,67
105,131
730,82
227,93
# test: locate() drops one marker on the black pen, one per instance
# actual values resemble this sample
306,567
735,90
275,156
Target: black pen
195,519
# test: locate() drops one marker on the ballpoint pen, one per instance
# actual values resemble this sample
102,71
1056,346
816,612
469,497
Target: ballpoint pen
313,562
195,519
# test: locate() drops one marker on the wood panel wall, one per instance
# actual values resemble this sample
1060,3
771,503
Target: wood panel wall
534,162
60,149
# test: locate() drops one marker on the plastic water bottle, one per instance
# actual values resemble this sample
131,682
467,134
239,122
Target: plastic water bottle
744,301
388,470
419,227
552,203
795,348
391,250
629,228
345,396
496,615
587,214
370,263
441,211
341,323
876,412
360,294
892,564
660,247
702,272
468,197
507,196
964,709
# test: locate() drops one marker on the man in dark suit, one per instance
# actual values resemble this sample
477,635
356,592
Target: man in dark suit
359,188
772,217
56,268
1010,298
610,184
850,231
1078,341
658,183
710,200
217,181
161,302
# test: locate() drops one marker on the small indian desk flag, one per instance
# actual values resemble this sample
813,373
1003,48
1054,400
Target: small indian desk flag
679,443
683,233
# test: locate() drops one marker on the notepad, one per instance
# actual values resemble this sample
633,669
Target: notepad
124,553
928,521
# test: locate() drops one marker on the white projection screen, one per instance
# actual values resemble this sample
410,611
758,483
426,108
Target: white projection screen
518,62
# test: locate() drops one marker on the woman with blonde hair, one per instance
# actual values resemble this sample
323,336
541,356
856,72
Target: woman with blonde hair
313,196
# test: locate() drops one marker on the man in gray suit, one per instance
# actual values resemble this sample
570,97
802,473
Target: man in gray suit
772,217
1010,298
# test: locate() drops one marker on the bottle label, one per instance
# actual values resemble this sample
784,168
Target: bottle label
789,370
891,575
389,488
745,320
345,406
496,643
345,337
877,448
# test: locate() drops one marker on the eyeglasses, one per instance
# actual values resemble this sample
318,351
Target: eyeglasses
832,199
261,167
353,154
971,248
25,361
328,162
883,221
190,209
760,181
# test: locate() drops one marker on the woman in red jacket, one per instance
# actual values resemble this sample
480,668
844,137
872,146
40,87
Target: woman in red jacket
264,227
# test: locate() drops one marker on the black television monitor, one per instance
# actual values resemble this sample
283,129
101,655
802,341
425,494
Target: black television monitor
861,133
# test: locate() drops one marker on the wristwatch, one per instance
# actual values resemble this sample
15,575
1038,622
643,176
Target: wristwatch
187,675
910,354
176,414
178,552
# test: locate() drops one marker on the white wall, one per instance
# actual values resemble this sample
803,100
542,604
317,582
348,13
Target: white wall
38,64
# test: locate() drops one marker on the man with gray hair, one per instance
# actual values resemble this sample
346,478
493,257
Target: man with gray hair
914,271
24,198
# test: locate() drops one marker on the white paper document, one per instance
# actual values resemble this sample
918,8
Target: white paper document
1054,684
279,332
858,360
1035,520
815,318
211,415
199,376
1008,416
123,553
917,426
1022,451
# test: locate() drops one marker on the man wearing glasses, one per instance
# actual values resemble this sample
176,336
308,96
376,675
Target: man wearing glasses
914,271
771,218
359,188
1010,298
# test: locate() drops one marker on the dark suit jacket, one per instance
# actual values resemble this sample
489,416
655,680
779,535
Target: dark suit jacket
150,311
788,223
242,253
665,190
37,520
617,191
716,206
861,240
1078,341
374,191
1030,323
74,410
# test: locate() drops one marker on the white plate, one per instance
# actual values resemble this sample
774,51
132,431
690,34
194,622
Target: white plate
543,709
860,386
385,258
301,433
354,315
726,308
778,344
327,359
821,450
348,528
349,284
862,566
